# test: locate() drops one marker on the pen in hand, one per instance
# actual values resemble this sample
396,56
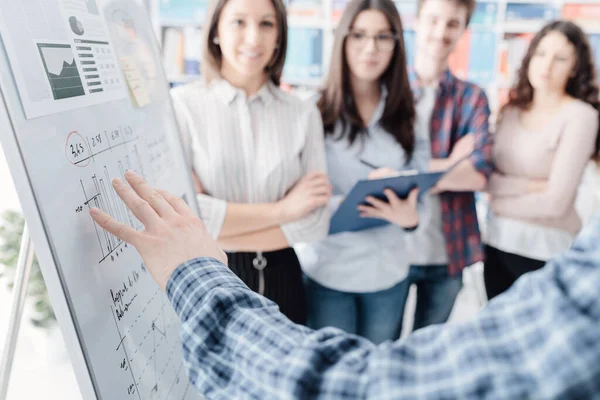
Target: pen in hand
368,164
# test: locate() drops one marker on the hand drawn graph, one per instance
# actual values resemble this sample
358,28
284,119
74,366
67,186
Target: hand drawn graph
149,345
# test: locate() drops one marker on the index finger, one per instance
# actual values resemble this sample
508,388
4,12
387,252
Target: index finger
120,230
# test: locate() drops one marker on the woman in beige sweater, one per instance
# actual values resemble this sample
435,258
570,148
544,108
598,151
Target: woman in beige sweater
547,133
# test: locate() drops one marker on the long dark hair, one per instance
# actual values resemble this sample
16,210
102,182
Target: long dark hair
337,102
581,85
212,57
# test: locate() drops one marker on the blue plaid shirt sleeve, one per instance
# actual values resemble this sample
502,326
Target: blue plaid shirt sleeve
539,340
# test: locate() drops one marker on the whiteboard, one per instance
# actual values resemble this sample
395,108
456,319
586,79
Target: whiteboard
64,141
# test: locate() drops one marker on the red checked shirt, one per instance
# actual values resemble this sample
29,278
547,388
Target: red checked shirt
460,108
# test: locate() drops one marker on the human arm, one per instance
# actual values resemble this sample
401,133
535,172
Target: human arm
237,344
314,225
473,151
225,219
246,219
574,149
501,185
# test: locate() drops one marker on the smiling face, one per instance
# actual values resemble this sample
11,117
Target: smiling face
439,27
552,63
369,46
247,34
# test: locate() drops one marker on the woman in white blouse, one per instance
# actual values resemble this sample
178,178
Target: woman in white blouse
356,280
546,136
257,152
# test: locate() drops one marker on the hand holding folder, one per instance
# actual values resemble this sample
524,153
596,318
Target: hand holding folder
347,217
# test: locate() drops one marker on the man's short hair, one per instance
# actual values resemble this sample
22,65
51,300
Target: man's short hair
468,4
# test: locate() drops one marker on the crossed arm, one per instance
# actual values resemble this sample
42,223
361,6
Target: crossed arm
473,151
519,197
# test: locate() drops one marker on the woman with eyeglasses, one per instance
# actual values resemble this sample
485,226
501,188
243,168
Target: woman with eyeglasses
354,280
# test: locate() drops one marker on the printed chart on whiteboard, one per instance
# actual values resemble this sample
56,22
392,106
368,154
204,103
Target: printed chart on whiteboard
63,53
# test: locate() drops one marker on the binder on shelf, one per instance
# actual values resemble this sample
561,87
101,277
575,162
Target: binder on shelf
172,51
459,59
192,51
311,9
484,16
595,43
304,58
481,67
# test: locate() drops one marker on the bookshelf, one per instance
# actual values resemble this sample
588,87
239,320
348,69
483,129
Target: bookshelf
488,54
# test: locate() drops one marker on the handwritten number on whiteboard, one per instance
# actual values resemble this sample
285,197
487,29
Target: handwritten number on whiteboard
77,149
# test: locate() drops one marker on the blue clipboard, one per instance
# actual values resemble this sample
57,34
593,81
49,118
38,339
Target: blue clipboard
347,218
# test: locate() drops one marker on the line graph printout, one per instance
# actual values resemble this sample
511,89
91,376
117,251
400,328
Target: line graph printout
121,332
62,55
60,67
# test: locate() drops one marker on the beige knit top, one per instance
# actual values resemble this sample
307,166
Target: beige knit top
557,152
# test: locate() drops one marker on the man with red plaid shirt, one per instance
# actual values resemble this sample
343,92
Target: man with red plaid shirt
448,237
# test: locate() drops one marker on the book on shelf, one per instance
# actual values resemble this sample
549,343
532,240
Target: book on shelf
304,58
529,17
305,9
485,15
459,59
585,15
338,7
489,54
172,51
513,49
182,12
532,11
408,13
410,46
192,50
482,57
595,43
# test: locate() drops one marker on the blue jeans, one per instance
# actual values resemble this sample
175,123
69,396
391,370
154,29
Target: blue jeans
436,293
376,316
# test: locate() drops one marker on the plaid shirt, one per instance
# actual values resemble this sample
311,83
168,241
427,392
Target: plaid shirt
461,108
539,340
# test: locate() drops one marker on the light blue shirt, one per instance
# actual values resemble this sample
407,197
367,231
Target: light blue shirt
374,259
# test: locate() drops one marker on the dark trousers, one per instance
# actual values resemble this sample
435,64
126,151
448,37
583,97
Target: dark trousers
502,269
283,280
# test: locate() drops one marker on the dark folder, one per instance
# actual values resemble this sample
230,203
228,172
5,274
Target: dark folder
347,219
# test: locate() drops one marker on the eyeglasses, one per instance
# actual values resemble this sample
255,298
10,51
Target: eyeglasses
383,41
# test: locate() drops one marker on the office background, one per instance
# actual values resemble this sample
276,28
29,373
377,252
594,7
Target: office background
488,54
